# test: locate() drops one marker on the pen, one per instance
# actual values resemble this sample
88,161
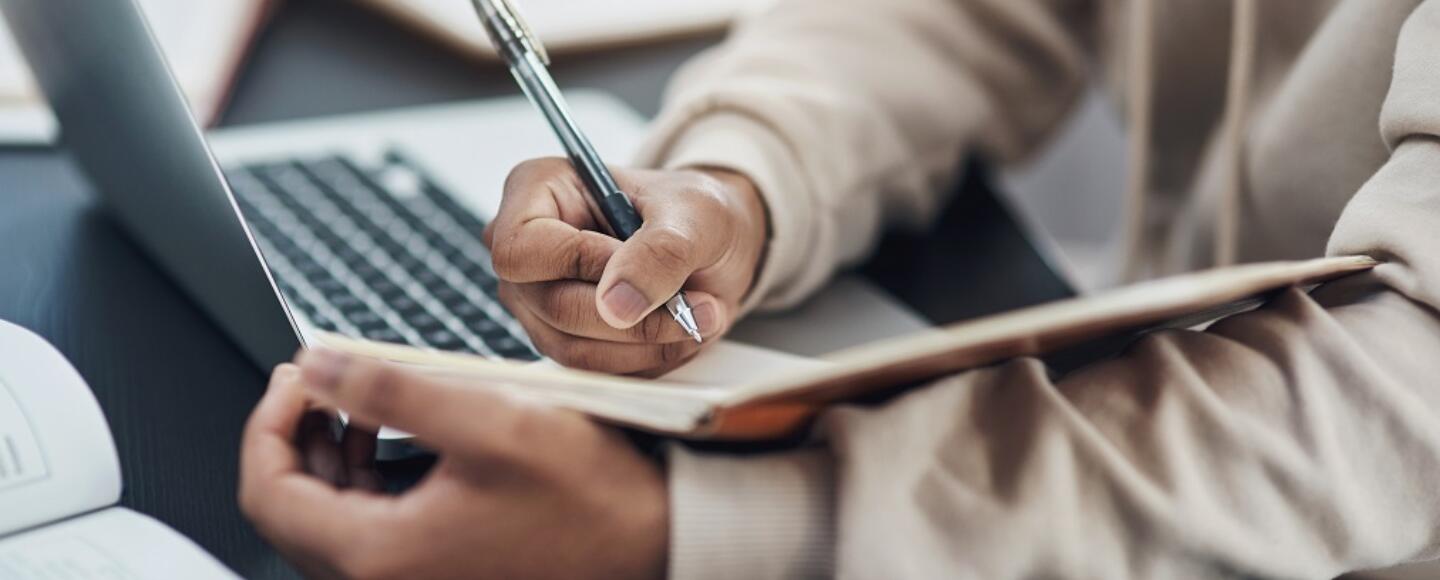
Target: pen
528,61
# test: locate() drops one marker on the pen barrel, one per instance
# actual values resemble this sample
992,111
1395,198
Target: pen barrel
620,214
614,206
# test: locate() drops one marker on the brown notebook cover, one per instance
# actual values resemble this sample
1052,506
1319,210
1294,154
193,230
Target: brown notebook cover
782,405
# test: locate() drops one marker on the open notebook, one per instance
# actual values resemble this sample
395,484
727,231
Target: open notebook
204,40
59,478
780,400
565,25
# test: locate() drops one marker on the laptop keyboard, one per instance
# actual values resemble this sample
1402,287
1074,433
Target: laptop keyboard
378,251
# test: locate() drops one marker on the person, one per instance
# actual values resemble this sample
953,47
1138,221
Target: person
1298,440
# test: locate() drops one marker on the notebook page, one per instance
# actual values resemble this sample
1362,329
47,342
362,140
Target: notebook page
115,544
56,455
727,364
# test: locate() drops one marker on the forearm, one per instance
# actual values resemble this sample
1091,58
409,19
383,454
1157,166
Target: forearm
849,114
1299,440
1296,441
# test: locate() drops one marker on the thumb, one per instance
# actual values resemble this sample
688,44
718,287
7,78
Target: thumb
647,270
440,414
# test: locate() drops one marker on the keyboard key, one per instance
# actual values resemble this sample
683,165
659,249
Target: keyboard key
404,305
347,302
364,318
385,335
344,233
423,321
484,327
322,323
443,339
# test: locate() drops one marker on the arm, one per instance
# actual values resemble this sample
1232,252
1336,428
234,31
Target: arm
783,153
848,113
1296,441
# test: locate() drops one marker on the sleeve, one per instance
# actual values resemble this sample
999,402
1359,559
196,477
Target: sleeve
1301,440
851,113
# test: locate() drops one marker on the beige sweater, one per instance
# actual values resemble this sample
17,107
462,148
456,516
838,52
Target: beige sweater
1300,441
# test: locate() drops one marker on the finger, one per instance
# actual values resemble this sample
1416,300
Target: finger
266,445
442,415
285,504
544,229
543,250
357,446
653,265
606,357
320,450
569,306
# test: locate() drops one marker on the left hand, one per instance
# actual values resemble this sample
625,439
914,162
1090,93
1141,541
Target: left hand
521,490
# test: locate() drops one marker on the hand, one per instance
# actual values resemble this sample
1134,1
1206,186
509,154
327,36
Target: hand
589,301
521,490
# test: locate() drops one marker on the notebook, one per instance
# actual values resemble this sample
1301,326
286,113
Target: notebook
205,42
738,397
60,478
568,25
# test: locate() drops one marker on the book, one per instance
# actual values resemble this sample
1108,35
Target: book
570,25
737,395
60,480
205,43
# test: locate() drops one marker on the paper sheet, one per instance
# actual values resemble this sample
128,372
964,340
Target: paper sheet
22,461
727,364
56,455
115,544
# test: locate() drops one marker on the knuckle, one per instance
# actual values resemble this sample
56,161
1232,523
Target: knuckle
547,345
672,353
507,294
527,172
568,255
669,248
568,352
506,259
377,391
709,193
563,308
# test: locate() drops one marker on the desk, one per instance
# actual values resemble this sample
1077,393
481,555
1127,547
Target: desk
177,392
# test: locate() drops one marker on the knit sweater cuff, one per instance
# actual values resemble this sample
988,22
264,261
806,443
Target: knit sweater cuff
751,517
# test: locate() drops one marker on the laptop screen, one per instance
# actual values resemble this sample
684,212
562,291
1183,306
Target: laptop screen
125,121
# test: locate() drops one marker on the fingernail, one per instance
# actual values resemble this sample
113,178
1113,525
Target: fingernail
707,317
322,368
626,303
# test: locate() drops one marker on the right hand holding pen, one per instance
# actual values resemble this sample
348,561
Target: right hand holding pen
591,302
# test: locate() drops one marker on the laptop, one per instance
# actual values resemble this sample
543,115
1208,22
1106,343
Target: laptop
368,226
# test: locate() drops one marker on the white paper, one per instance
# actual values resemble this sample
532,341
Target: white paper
115,544
56,445
727,364
22,462
848,313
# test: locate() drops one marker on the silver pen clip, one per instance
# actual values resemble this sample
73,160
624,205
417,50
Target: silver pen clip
507,28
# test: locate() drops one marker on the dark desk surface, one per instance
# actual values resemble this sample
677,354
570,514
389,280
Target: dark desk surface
177,392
